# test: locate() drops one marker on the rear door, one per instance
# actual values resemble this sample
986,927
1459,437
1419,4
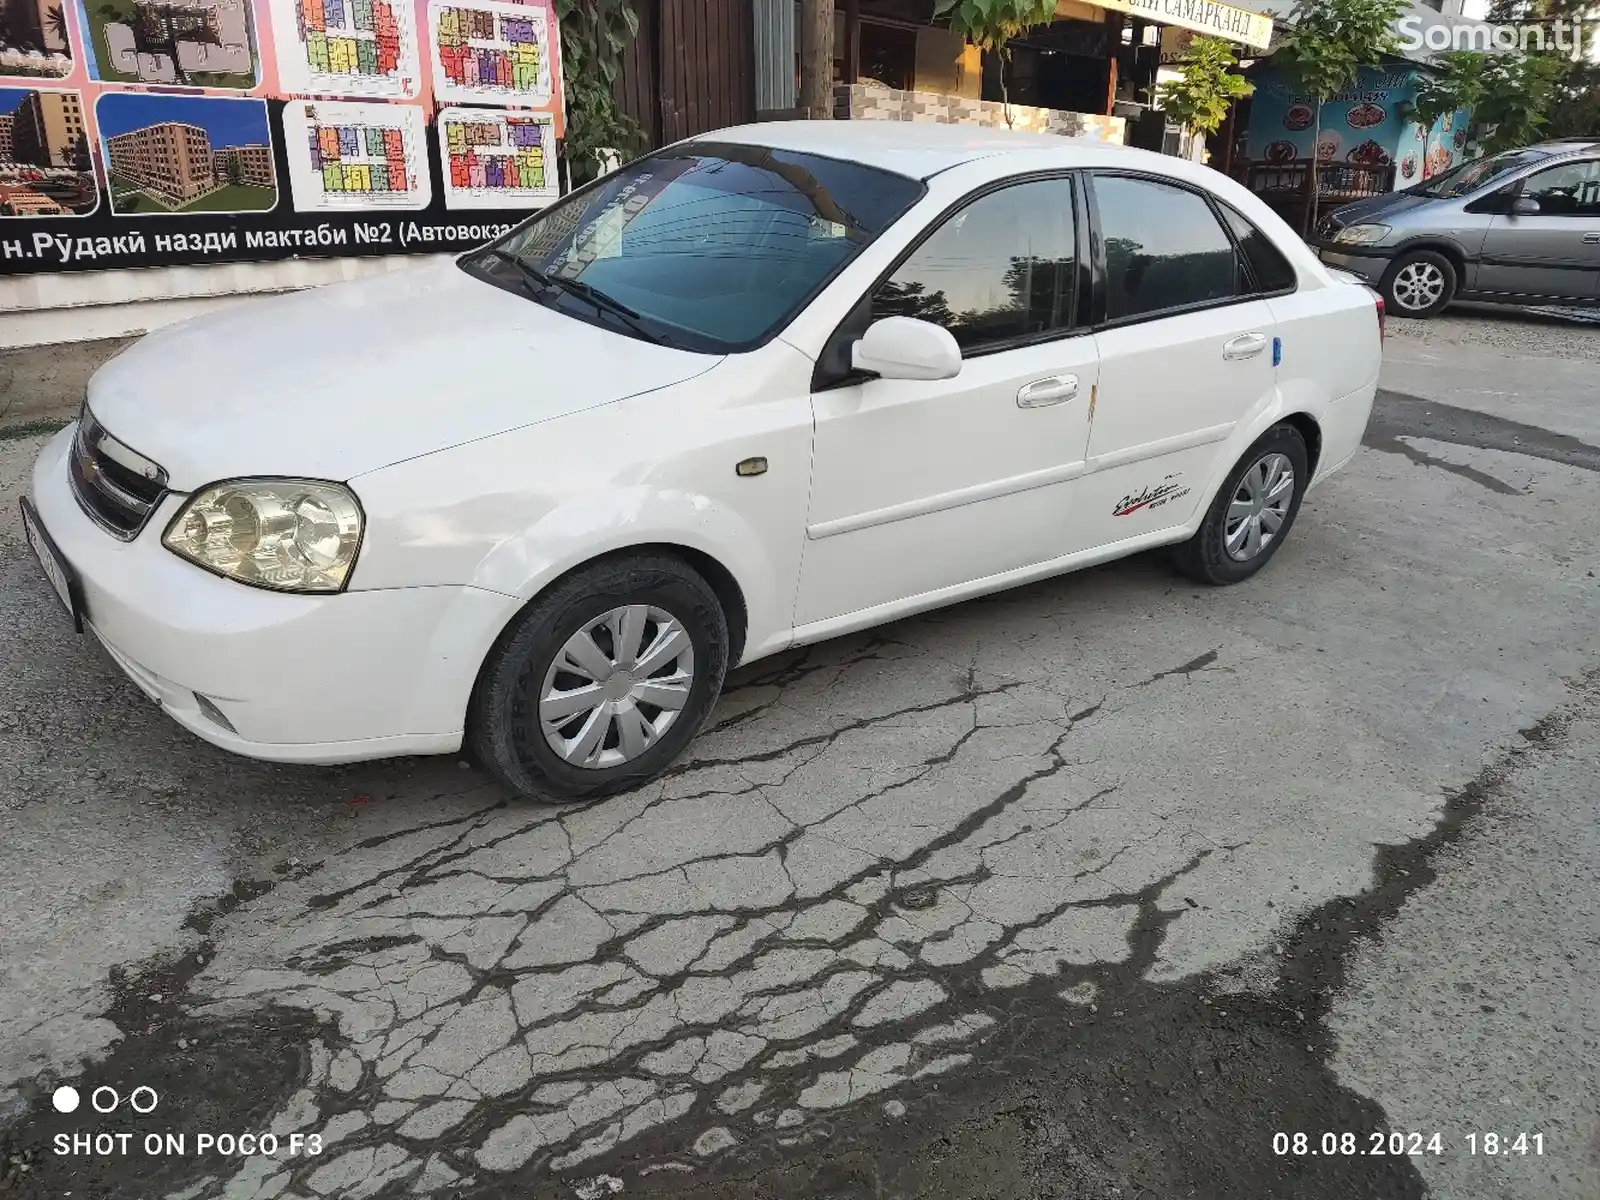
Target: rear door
1186,352
1556,251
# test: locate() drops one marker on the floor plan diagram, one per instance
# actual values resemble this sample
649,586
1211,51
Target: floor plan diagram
346,47
484,50
345,156
497,159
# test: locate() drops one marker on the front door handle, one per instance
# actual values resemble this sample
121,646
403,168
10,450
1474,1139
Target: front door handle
1592,237
1052,389
1246,345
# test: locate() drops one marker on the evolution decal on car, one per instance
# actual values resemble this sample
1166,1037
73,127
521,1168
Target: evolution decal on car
1150,497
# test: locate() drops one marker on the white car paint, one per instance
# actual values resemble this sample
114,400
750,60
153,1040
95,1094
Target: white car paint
494,445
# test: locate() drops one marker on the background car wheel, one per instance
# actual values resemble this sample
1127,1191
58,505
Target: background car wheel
600,683
1252,513
1419,284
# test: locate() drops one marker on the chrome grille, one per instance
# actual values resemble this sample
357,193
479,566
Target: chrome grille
118,487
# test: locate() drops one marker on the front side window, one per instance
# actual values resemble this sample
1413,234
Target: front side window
1480,172
711,247
1163,248
998,269
1572,190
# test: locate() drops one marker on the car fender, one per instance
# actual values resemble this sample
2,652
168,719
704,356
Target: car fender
616,520
513,513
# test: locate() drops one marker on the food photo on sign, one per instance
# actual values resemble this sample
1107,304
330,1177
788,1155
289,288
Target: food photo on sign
145,134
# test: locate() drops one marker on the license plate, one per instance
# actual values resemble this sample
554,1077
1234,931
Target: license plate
56,569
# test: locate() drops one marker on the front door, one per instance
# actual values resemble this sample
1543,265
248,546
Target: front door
918,487
1554,252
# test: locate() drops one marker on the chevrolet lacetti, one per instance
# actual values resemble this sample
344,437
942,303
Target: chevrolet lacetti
755,390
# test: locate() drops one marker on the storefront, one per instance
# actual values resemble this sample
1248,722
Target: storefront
1091,71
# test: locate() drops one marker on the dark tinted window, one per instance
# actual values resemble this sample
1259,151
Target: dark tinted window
1572,190
1163,248
1271,269
715,246
1000,268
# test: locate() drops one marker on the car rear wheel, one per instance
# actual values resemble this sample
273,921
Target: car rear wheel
1419,284
600,684
1252,513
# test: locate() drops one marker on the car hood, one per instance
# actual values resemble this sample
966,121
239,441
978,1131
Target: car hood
1375,208
336,381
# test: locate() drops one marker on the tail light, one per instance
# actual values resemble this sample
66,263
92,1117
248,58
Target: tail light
1378,300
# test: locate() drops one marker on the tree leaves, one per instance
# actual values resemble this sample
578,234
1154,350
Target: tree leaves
1331,40
1199,99
989,24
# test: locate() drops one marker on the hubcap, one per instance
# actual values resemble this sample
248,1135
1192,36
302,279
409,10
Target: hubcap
617,685
1418,285
1259,507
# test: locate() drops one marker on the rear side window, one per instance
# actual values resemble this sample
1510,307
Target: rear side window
1164,248
1271,269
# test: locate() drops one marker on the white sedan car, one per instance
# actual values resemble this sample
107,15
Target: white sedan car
759,389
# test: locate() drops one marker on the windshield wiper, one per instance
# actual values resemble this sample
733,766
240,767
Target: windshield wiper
530,272
604,303
631,317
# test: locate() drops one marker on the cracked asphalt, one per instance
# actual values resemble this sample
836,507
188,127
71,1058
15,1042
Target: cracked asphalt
1086,889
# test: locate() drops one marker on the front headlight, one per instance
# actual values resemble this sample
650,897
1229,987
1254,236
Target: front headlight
1362,235
294,535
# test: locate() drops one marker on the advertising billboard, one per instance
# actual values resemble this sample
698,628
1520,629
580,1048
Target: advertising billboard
139,133
1368,124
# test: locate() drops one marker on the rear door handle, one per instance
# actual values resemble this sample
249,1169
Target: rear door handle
1592,237
1052,389
1246,345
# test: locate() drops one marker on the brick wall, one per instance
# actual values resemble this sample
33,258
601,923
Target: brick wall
869,102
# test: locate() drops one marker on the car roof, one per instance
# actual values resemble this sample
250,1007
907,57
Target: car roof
922,150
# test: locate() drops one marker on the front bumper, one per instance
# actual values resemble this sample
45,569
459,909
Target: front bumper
1366,264
309,679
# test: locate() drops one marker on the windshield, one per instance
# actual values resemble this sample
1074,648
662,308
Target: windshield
1471,176
708,246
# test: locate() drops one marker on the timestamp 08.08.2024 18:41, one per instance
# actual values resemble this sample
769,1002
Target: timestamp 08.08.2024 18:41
1330,1144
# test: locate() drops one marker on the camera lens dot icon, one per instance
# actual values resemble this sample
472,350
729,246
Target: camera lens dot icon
65,1099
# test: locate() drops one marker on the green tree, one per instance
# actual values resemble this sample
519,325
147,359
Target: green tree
56,22
233,170
1570,95
1328,43
991,24
1510,94
594,33
1199,99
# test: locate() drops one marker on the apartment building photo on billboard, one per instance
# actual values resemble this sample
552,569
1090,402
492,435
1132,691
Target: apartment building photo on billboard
33,39
45,168
186,154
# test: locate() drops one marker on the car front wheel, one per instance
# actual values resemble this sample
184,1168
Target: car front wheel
1252,513
600,683
1419,284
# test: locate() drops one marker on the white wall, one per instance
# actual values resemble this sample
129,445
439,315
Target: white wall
50,308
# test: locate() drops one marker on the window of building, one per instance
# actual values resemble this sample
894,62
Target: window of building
1164,249
999,269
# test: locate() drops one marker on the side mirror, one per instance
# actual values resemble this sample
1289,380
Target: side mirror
1523,206
906,348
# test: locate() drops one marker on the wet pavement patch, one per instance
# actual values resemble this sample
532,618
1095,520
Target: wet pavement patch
225,1075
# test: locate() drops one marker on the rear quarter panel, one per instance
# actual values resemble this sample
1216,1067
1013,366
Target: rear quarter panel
1332,353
